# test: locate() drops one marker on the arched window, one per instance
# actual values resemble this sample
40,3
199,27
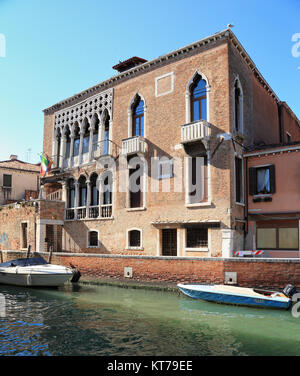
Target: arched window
58,141
86,137
82,191
71,195
106,194
76,140
95,133
106,136
198,99
138,117
68,142
238,107
94,201
134,238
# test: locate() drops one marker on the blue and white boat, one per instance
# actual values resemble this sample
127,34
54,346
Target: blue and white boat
236,295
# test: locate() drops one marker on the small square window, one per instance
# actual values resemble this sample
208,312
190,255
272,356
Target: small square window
93,239
134,238
165,169
196,237
7,181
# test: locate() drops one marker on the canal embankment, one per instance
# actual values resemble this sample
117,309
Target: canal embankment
165,272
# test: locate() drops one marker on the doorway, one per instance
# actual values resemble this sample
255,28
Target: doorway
169,242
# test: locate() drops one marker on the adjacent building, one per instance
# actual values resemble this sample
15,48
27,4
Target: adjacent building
273,220
18,180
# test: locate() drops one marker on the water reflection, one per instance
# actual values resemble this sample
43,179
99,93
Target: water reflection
104,320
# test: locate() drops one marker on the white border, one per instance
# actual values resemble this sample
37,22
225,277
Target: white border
172,84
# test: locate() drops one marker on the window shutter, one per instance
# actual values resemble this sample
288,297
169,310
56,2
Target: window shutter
272,178
252,181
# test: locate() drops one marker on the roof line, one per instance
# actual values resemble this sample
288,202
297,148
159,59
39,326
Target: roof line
171,55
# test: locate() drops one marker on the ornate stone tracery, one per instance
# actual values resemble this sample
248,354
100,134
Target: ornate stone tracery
86,109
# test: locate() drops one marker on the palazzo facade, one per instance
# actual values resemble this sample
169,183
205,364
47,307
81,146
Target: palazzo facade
150,161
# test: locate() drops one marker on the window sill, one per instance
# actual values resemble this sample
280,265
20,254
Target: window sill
199,204
240,203
134,248
136,209
196,249
93,246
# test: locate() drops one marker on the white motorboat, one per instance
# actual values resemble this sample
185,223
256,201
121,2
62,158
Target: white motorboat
34,272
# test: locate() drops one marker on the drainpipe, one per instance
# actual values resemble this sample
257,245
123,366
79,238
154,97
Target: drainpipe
246,199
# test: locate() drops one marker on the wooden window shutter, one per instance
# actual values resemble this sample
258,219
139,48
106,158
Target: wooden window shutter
252,181
272,179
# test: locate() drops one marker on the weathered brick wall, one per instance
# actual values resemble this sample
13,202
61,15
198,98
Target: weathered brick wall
11,218
251,272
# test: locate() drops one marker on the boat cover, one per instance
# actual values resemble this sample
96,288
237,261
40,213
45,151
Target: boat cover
24,262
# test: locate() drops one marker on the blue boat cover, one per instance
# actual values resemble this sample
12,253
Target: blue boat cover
24,262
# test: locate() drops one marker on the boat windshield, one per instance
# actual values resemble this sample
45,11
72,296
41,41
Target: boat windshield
24,262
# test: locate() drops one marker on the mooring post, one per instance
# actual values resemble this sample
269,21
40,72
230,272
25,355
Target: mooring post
50,254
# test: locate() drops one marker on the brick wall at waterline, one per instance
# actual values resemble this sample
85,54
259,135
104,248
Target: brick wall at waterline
251,272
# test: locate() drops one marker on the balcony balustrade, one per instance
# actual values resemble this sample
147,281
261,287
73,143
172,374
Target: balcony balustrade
134,145
91,212
195,131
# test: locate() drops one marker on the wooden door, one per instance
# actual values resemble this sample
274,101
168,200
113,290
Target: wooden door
169,242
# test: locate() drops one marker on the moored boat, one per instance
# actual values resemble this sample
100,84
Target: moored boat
237,295
35,272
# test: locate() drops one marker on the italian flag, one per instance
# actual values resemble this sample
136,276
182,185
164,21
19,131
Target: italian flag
45,164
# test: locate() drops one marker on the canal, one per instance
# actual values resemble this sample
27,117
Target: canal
112,321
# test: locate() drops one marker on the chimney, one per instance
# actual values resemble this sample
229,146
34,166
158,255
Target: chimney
13,157
128,64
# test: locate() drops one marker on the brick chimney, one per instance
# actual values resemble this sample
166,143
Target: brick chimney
13,157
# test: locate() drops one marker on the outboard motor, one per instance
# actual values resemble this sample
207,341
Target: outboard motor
289,291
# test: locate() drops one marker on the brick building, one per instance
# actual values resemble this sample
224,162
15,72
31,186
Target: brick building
150,162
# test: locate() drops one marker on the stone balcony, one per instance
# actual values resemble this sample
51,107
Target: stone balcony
134,145
196,131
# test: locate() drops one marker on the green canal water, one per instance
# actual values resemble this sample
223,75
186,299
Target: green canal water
112,321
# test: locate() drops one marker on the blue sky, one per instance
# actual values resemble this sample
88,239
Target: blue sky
57,48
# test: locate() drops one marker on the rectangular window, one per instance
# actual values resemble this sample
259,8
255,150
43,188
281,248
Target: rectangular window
262,180
76,147
197,180
281,235
85,145
165,169
266,238
93,239
196,237
135,189
239,181
7,181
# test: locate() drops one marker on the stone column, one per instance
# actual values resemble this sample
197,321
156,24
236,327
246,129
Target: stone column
71,150
92,127
227,242
88,197
40,237
62,150
81,144
64,196
76,200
